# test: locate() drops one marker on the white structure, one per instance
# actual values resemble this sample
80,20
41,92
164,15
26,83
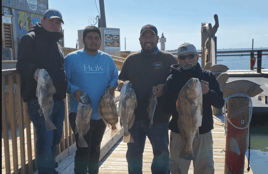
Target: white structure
162,41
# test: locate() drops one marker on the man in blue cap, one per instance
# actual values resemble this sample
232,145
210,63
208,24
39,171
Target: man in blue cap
39,49
145,69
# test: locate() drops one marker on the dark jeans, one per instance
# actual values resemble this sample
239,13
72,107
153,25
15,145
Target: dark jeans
88,157
47,141
158,136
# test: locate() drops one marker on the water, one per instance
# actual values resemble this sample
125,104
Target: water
259,149
240,62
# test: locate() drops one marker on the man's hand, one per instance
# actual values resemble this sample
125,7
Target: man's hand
77,94
111,90
204,86
119,87
159,90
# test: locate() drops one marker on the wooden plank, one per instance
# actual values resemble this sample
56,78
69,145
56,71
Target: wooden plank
21,125
28,135
13,124
5,128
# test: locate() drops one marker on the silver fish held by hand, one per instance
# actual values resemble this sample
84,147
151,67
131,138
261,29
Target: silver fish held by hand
82,121
44,93
107,111
127,105
189,107
151,108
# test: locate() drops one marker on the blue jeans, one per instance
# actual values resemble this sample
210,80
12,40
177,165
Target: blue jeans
158,136
47,141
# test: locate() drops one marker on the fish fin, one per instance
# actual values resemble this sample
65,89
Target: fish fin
82,142
186,154
49,124
126,138
233,146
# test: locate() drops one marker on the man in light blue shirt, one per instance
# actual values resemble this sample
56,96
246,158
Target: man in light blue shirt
92,72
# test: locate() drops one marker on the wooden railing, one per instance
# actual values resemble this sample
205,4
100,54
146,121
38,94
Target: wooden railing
18,133
18,150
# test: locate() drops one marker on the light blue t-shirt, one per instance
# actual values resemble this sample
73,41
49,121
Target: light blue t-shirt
91,74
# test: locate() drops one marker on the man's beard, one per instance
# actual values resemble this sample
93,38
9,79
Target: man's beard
187,66
148,51
90,49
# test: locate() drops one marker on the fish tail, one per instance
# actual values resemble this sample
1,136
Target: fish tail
187,153
82,142
49,124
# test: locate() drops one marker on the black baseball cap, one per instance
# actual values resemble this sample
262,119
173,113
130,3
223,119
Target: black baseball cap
148,27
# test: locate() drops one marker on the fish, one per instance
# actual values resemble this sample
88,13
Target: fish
82,121
44,93
127,105
189,107
151,107
108,112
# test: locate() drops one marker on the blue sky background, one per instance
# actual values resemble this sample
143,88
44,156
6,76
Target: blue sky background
240,21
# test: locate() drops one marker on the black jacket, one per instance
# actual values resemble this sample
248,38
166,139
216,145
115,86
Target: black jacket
145,71
176,80
39,49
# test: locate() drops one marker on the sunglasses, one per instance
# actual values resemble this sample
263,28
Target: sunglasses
190,56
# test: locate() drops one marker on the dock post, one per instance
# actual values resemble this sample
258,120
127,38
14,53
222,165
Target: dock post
259,55
251,56
236,139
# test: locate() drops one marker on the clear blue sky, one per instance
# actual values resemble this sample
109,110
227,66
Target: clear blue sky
240,21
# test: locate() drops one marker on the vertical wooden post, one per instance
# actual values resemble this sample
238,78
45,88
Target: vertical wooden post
21,125
13,124
259,55
236,139
5,128
29,139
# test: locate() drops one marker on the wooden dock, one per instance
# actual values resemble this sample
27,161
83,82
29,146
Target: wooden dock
114,162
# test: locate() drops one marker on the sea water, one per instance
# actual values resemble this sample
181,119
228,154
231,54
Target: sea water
240,62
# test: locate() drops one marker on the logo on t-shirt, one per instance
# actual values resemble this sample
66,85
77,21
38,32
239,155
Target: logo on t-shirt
158,65
93,69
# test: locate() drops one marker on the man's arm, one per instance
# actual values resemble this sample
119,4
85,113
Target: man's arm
71,88
25,53
113,82
214,95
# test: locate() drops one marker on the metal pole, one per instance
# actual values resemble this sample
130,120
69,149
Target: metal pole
102,20
259,61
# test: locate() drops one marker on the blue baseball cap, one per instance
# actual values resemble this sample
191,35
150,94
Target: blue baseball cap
53,14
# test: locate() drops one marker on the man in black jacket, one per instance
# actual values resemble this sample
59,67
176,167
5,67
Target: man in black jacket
212,96
145,69
39,49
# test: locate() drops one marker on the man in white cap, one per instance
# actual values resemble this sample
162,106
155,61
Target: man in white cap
212,96
39,49
146,69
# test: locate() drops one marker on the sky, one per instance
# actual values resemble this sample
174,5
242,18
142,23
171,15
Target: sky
240,21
